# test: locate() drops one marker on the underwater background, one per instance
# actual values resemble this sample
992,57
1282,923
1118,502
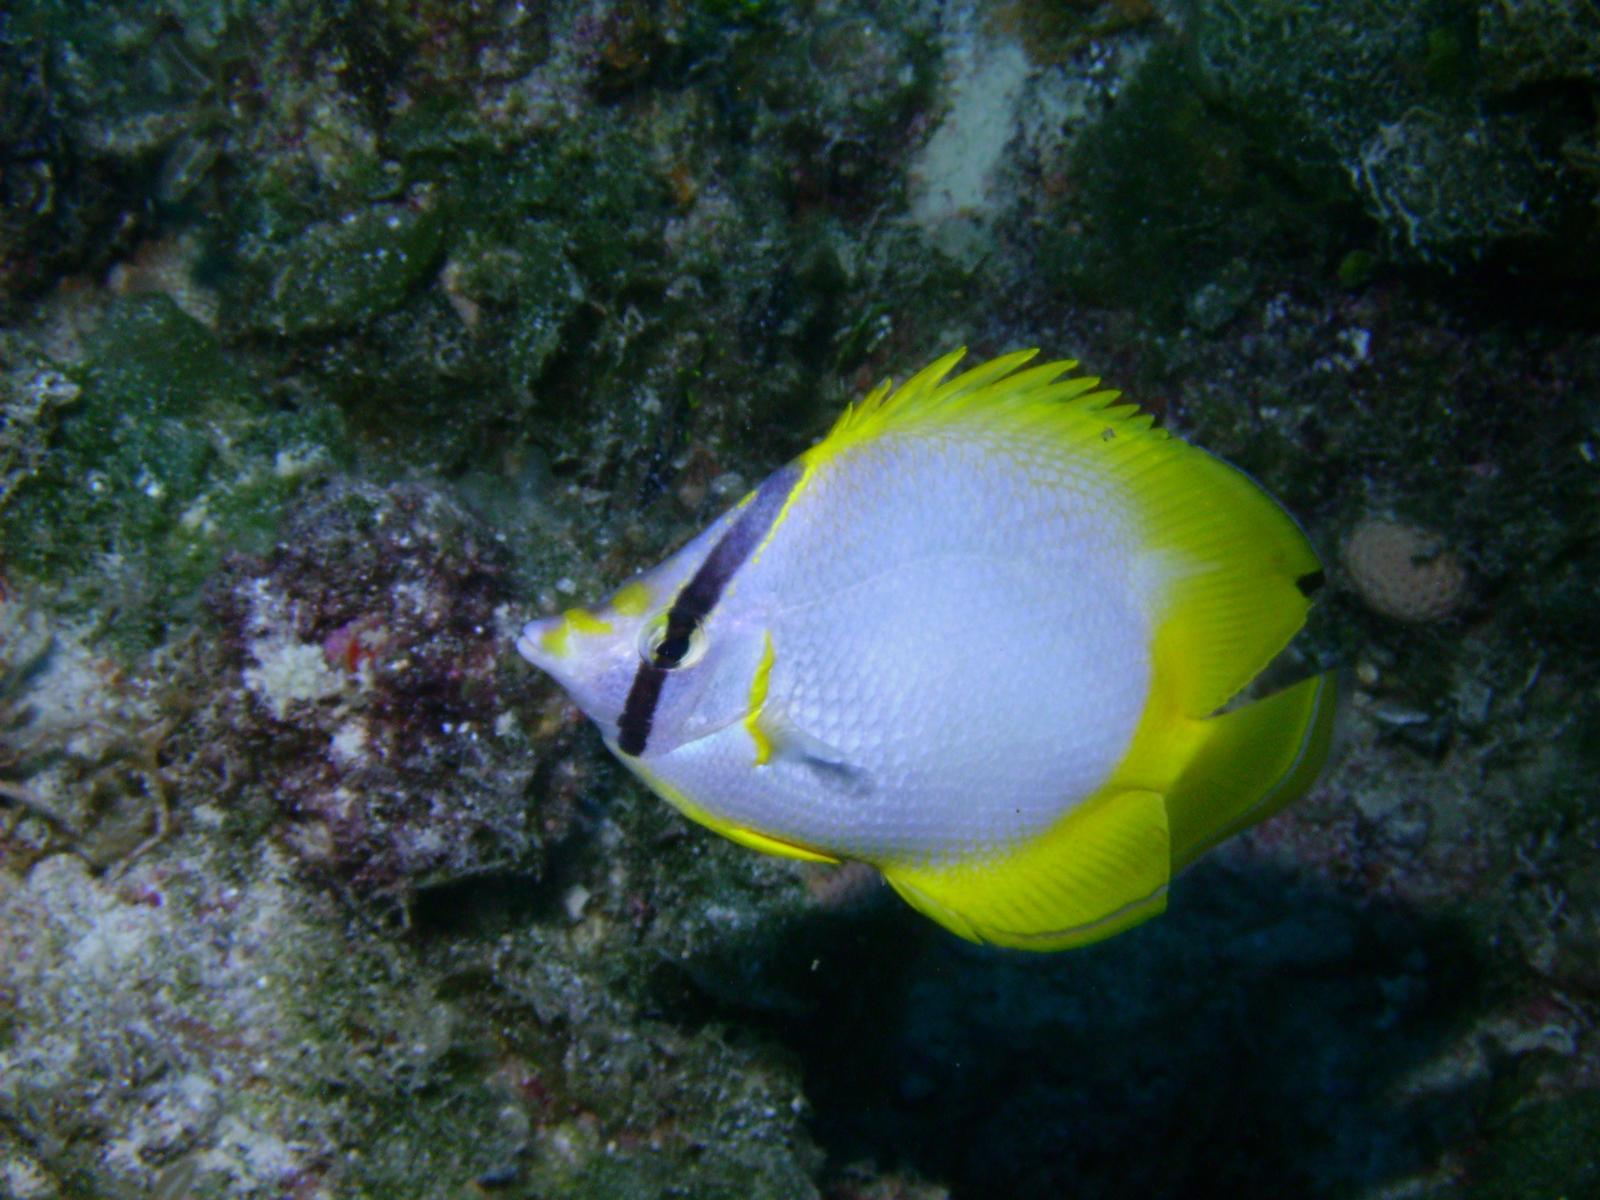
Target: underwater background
338,339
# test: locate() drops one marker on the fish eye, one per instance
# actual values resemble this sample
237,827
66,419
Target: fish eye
670,642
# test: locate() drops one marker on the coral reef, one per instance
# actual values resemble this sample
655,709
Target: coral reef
211,1028
1452,161
336,340
367,702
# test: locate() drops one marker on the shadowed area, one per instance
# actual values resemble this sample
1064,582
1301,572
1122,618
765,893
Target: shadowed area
1252,1042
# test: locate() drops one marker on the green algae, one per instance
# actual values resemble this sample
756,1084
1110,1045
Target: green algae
1172,197
163,464
1391,103
1544,1150
343,273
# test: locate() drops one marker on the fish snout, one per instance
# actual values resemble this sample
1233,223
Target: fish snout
539,640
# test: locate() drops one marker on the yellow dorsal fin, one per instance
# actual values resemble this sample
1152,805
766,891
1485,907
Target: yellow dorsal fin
1234,567
1098,871
992,393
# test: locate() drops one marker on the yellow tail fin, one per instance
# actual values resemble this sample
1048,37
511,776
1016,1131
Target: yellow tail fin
1249,764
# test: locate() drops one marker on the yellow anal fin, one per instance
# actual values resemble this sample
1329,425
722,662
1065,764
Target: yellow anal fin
1098,871
1249,764
767,844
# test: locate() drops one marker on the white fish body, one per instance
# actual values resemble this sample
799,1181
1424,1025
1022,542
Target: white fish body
958,640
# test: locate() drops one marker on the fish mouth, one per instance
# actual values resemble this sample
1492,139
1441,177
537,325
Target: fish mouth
542,643
586,674
528,642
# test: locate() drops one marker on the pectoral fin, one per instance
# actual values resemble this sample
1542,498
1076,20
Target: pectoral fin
784,746
779,741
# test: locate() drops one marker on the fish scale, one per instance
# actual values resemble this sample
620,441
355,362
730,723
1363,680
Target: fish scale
977,638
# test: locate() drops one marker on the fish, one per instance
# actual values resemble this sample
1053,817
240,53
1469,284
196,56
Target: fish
983,636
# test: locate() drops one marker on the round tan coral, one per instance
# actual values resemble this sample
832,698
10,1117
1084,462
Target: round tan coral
1402,571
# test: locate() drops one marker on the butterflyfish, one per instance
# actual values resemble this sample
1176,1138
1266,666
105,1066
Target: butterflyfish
982,637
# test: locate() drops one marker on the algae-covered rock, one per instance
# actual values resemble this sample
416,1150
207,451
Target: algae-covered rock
1545,1150
94,99
1392,100
203,1026
191,1017
163,461
344,272
362,658
1166,206
516,293
1529,42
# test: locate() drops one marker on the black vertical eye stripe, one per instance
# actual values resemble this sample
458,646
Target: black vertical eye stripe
633,727
694,603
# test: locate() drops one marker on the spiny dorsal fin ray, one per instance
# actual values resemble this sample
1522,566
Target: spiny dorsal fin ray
994,391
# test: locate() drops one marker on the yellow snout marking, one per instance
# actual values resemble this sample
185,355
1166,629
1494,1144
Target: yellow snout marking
631,600
556,640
